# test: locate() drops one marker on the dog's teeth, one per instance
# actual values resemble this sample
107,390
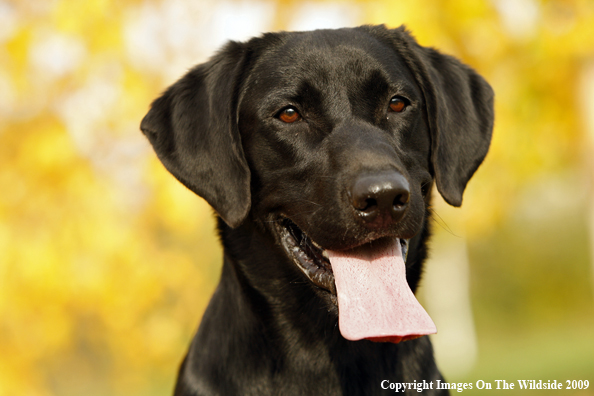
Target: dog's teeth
404,243
325,254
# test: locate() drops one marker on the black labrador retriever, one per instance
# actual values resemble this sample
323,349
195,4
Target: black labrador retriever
318,150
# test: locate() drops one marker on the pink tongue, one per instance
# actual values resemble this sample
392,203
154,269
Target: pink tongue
374,299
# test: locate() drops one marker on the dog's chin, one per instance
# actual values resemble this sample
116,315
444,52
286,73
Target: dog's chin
312,259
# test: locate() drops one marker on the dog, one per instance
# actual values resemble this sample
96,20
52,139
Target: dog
319,151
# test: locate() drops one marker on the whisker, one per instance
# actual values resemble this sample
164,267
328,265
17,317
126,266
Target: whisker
442,222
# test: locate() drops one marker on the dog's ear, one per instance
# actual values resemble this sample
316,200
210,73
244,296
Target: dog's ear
459,110
193,129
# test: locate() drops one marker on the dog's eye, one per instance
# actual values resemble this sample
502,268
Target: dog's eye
289,115
398,104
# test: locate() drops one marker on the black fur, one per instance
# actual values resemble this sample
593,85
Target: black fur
268,329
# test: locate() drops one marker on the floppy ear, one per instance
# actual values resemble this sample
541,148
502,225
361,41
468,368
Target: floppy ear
193,129
459,111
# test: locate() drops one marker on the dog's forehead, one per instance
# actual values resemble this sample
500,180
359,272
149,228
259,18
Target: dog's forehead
326,59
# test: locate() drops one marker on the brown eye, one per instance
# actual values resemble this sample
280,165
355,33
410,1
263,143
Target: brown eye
289,115
397,104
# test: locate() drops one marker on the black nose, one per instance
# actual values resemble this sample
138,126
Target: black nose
380,199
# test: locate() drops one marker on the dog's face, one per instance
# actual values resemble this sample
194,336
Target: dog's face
312,126
330,140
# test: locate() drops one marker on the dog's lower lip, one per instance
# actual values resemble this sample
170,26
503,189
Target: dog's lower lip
310,257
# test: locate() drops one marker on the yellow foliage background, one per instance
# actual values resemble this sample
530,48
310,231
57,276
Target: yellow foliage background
107,262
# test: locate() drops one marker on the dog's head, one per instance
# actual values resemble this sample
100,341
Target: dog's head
330,139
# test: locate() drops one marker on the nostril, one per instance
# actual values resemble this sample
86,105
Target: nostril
401,200
364,204
369,204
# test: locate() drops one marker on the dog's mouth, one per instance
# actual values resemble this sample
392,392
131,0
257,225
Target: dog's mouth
311,258
367,282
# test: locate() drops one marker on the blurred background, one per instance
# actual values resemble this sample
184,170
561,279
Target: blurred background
107,262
